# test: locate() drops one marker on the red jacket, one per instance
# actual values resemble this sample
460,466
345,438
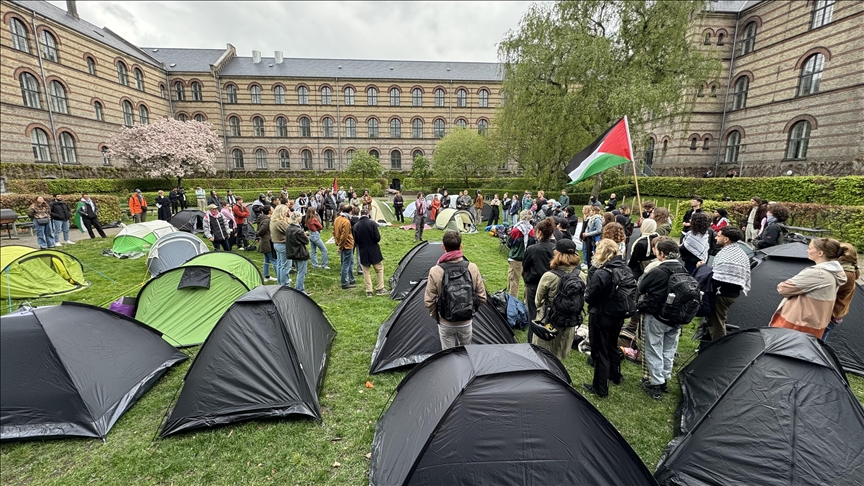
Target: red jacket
136,206
240,214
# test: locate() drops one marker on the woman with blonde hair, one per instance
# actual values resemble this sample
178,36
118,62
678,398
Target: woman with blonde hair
278,226
564,260
849,261
615,232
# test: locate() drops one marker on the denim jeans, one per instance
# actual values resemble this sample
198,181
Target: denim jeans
281,263
347,257
61,225
302,267
661,343
44,234
514,218
315,238
268,260
831,325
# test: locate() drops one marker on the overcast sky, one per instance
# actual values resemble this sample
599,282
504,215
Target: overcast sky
435,31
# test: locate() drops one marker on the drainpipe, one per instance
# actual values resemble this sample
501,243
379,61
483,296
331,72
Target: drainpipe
222,122
47,95
338,126
726,97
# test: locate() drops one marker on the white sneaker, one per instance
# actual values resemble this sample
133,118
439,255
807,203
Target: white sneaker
70,242
269,279
57,245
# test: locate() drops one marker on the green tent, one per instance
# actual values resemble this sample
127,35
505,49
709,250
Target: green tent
29,273
139,237
381,212
455,220
184,303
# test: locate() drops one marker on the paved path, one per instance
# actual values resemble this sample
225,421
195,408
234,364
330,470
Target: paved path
29,238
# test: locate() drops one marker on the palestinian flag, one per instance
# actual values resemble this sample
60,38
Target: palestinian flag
611,149
335,184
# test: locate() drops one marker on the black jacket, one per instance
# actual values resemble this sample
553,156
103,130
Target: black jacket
398,202
296,243
638,255
60,211
536,261
771,235
600,288
88,211
627,223
653,286
366,238
173,196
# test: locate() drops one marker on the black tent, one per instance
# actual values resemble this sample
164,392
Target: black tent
766,406
413,268
266,358
487,211
501,414
74,370
778,263
188,220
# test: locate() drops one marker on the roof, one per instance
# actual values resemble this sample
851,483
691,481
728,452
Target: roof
733,6
185,59
83,27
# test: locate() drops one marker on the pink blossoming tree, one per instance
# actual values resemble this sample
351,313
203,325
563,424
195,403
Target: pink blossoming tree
169,148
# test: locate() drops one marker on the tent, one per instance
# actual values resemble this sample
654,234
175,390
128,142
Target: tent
188,220
30,273
501,414
381,213
74,370
776,264
173,250
184,303
455,220
409,203
413,268
265,358
139,237
766,406
410,336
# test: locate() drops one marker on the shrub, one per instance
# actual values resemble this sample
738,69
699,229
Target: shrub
109,206
844,191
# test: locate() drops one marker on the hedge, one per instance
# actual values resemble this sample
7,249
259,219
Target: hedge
109,206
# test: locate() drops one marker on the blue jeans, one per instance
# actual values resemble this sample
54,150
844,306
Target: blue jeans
315,238
61,225
347,257
281,264
514,218
831,325
661,343
44,234
268,260
302,266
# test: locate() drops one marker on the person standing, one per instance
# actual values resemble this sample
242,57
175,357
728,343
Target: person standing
330,207
230,198
278,228
419,217
366,238
399,207
216,228
214,199
664,223
232,225
731,277
495,205
88,212
163,206
201,198
849,261
536,262
564,261
641,252
434,207
265,247
721,219
313,224
366,201
520,238
564,199
241,215
695,207
445,200
454,292
174,200
513,211
181,197
696,243
754,219
60,216
478,208
344,239
591,233
40,212
297,249
138,207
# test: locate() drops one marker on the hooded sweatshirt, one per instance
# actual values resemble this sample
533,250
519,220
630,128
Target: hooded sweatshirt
808,298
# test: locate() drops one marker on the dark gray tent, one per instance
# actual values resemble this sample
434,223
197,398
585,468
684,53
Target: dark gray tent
266,358
173,250
413,268
188,220
74,370
502,415
765,406
778,263
410,336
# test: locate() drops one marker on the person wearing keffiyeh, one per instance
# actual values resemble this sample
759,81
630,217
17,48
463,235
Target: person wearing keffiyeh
696,242
731,277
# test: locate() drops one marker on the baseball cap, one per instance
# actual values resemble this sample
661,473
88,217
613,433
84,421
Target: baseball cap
565,246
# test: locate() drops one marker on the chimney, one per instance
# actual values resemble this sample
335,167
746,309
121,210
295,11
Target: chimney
279,58
72,9
256,57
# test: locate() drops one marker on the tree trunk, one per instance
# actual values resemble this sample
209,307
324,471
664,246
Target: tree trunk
598,184
179,182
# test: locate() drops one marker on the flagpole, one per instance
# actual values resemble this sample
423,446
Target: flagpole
633,160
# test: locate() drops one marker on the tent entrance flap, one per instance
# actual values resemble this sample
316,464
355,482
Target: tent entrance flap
197,277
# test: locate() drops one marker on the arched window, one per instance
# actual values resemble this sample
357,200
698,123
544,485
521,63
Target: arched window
281,127
30,90
97,107
57,97
231,93
20,38
258,126
694,141
284,160
417,97
91,65
705,143
326,95
372,96
739,98
199,118
179,91
39,143
707,39
439,97
255,94
128,114
482,127
182,117
49,46
799,137
306,159
733,146
67,148
748,40
372,127
329,159
461,123
260,159
327,127
139,80
305,127
417,128
122,73
720,39
438,128
279,95
461,98
700,91
162,91
394,96
349,156
416,153
649,152
349,96
395,128
822,10
234,125
237,156
197,95
374,153
143,115
713,90
665,146
302,95
395,160
484,98
350,128
811,75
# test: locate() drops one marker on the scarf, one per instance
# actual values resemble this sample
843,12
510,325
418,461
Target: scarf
649,229
731,265
525,228
450,256
697,245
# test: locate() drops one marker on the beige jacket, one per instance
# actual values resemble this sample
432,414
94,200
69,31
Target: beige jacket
808,298
434,289
547,289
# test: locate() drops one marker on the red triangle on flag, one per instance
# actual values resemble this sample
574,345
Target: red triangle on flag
617,142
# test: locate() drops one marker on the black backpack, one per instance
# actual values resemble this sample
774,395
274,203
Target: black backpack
565,310
683,298
457,301
622,302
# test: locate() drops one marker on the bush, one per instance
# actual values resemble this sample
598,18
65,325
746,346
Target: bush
844,191
109,206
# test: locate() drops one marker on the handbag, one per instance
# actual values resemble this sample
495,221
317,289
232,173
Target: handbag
42,220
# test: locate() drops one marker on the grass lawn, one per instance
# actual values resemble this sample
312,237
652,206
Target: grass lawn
294,451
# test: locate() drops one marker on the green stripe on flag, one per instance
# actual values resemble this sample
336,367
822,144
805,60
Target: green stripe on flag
595,165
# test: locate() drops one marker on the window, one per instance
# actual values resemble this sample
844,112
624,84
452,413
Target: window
231,93
260,159
374,153
97,106
255,94
196,91
144,115
349,156
811,74
258,126
305,127
326,95
649,152
482,127
302,95
706,143
799,136
395,160
417,97
700,91
461,123
394,96
417,128
57,97
395,128
49,46
461,98
162,91
693,143
748,40
39,142
733,146
329,159
237,156
67,148
713,90
720,39
279,95
327,127
438,128
707,40
179,91
306,159
416,153
128,115
372,96
91,65
372,127
349,96
665,146
739,98
122,74
182,117
350,128
439,97
20,39
234,125
282,127
284,160
30,90
822,10
139,80
199,118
